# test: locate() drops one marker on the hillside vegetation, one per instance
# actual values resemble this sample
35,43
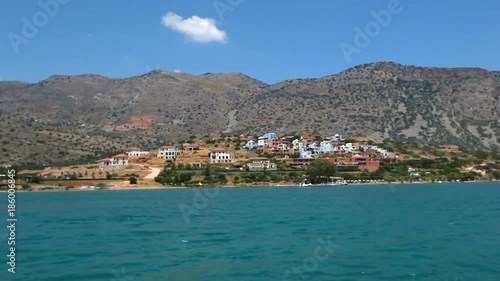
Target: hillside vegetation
69,118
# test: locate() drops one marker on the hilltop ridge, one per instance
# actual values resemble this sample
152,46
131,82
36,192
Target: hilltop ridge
64,118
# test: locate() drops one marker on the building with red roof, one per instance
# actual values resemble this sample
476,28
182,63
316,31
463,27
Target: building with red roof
135,152
114,162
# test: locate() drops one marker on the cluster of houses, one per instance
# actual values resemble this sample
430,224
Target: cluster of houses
297,152
302,151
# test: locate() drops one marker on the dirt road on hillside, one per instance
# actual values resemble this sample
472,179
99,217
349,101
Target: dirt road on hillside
154,173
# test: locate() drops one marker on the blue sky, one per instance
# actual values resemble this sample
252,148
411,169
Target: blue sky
268,40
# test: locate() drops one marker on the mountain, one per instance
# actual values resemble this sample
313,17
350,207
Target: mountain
65,118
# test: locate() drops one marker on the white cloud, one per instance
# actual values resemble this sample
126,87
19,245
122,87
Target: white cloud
202,30
177,70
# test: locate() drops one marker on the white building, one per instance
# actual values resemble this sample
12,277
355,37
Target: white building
350,147
282,146
269,136
168,152
115,162
265,140
297,144
220,155
250,144
260,163
263,143
135,152
336,137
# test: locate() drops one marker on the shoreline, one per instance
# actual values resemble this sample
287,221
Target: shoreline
288,185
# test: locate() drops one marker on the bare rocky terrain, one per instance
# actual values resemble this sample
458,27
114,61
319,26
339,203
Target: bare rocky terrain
70,118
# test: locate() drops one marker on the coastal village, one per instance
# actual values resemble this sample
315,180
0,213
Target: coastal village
298,152
242,160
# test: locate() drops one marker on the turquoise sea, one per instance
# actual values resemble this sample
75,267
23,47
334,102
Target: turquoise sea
401,232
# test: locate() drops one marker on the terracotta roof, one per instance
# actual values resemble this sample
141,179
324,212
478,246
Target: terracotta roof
133,149
120,155
359,156
219,149
104,160
168,146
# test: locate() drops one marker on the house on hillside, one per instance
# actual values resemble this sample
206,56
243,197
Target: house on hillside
307,139
336,137
268,136
325,146
250,144
196,165
115,162
297,144
220,155
261,163
299,162
362,162
305,153
135,152
168,152
192,148
267,140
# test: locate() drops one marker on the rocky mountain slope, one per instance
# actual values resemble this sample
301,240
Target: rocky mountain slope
64,118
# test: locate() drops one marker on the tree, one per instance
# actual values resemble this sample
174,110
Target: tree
275,178
185,177
320,168
221,178
37,179
177,180
207,170
166,180
133,180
